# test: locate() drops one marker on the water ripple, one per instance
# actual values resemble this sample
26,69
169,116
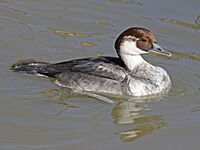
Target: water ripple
195,25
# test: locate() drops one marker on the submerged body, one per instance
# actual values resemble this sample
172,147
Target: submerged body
128,74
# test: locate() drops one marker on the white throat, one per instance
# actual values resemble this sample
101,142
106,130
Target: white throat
132,61
130,54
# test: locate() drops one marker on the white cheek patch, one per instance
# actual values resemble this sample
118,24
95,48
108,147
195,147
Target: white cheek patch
129,47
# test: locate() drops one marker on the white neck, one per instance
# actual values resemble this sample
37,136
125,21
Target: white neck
130,54
132,61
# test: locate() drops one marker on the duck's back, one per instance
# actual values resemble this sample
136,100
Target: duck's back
98,74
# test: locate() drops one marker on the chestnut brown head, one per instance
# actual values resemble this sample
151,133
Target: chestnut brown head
138,40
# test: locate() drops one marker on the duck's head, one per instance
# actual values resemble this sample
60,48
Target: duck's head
136,41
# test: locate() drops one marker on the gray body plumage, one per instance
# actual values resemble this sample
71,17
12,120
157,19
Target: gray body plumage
102,75
110,77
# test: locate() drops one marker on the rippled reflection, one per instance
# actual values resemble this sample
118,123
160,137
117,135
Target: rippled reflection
88,44
126,1
66,34
130,113
193,56
196,109
145,126
60,97
127,111
195,25
180,55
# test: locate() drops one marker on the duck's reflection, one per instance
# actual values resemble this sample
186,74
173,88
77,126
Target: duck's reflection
61,97
129,112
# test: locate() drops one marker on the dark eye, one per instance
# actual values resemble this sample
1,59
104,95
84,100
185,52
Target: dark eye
144,40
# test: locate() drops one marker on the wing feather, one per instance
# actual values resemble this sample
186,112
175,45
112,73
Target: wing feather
106,67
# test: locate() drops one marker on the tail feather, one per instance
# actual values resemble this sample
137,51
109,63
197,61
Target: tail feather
29,67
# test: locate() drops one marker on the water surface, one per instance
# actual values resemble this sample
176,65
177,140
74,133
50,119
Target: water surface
36,114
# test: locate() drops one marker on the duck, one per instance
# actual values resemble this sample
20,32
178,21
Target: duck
128,74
